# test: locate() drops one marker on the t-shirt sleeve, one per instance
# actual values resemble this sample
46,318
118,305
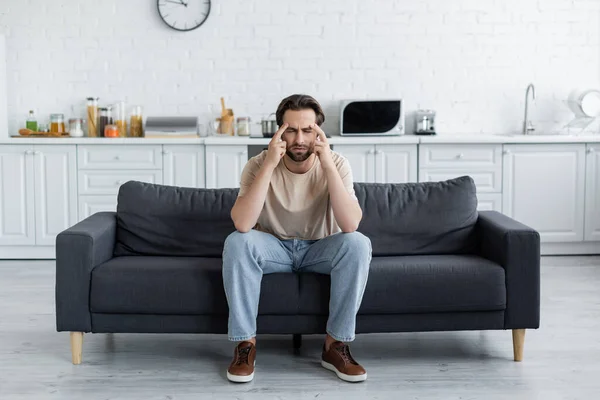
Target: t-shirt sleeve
247,178
346,173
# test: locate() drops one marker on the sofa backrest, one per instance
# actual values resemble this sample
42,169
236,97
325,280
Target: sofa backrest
400,219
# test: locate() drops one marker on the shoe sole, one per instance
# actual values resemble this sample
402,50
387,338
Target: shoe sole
342,376
240,378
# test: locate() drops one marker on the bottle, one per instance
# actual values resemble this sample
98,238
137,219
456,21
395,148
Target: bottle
32,121
102,121
121,118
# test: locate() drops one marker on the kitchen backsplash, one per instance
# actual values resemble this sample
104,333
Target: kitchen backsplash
470,60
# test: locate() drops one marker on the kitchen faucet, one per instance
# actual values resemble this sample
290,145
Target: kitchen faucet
527,125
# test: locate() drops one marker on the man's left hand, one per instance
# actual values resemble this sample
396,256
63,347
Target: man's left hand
322,148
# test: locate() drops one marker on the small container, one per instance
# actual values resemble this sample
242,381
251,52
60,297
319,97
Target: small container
102,120
92,117
76,127
31,122
136,125
243,126
111,131
57,123
43,128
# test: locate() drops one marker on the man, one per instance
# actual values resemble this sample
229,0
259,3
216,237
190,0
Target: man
296,212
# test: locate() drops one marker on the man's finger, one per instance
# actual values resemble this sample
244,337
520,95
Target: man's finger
279,132
320,132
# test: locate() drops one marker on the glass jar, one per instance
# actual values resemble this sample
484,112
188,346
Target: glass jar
76,127
103,120
136,124
121,118
111,131
92,117
243,126
57,123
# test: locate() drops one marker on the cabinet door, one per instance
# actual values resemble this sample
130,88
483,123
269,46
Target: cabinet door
224,165
361,159
89,205
543,187
489,202
55,191
396,163
592,190
183,166
17,206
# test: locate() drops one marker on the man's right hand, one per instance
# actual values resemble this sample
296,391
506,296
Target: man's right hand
277,148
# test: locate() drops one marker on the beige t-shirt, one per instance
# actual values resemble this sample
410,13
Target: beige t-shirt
297,206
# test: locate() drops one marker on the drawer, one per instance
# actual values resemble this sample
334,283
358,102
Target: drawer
89,205
489,202
451,156
489,181
119,157
108,182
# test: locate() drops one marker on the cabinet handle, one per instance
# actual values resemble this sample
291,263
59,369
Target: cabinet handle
27,152
460,156
118,183
378,151
37,152
165,152
372,151
243,153
117,158
591,150
506,152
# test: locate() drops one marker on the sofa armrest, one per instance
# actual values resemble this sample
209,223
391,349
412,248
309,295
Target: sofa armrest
79,249
517,248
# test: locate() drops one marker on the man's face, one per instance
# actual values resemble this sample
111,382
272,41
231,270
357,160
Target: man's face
299,137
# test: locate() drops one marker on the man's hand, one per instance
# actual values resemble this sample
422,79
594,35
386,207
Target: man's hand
277,148
322,149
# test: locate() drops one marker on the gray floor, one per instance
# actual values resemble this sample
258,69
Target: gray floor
562,359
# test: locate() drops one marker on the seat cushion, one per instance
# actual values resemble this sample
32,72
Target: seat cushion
419,218
179,285
418,284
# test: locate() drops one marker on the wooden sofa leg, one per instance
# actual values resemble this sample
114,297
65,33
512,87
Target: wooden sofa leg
518,341
76,346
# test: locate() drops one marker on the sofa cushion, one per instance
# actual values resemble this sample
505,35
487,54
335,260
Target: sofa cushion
418,284
419,218
157,219
178,285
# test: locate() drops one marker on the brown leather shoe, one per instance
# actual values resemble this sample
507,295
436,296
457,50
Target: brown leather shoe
242,366
339,360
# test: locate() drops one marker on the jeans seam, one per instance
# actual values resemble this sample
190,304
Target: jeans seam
317,262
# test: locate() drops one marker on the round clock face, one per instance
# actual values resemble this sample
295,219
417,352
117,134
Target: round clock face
184,15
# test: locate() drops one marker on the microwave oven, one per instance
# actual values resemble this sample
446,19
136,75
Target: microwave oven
372,117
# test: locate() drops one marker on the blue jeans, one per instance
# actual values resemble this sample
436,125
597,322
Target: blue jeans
247,256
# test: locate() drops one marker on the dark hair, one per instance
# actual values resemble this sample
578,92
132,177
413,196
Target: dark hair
299,102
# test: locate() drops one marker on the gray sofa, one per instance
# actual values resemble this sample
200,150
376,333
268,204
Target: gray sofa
154,266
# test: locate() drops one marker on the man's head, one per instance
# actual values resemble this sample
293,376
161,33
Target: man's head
299,111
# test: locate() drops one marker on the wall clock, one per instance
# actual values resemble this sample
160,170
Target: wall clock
183,15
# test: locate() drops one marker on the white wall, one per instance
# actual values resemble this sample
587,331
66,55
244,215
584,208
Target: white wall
471,60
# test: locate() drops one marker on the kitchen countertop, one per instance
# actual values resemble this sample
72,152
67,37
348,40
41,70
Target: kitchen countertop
335,139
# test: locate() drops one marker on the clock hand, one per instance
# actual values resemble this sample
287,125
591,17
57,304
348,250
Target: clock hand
181,1
174,2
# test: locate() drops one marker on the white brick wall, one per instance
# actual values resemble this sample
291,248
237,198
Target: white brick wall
471,60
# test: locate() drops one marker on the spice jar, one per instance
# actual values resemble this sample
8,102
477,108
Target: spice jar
57,123
243,126
92,117
111,131
136,125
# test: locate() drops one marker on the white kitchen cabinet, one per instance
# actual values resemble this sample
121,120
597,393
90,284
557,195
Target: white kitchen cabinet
224,165
489,202
17,198
55,190
89,205
183,166
379,163
361,159
395,163
543,187
592,190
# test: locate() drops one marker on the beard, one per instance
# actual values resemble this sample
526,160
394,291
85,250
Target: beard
298,156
